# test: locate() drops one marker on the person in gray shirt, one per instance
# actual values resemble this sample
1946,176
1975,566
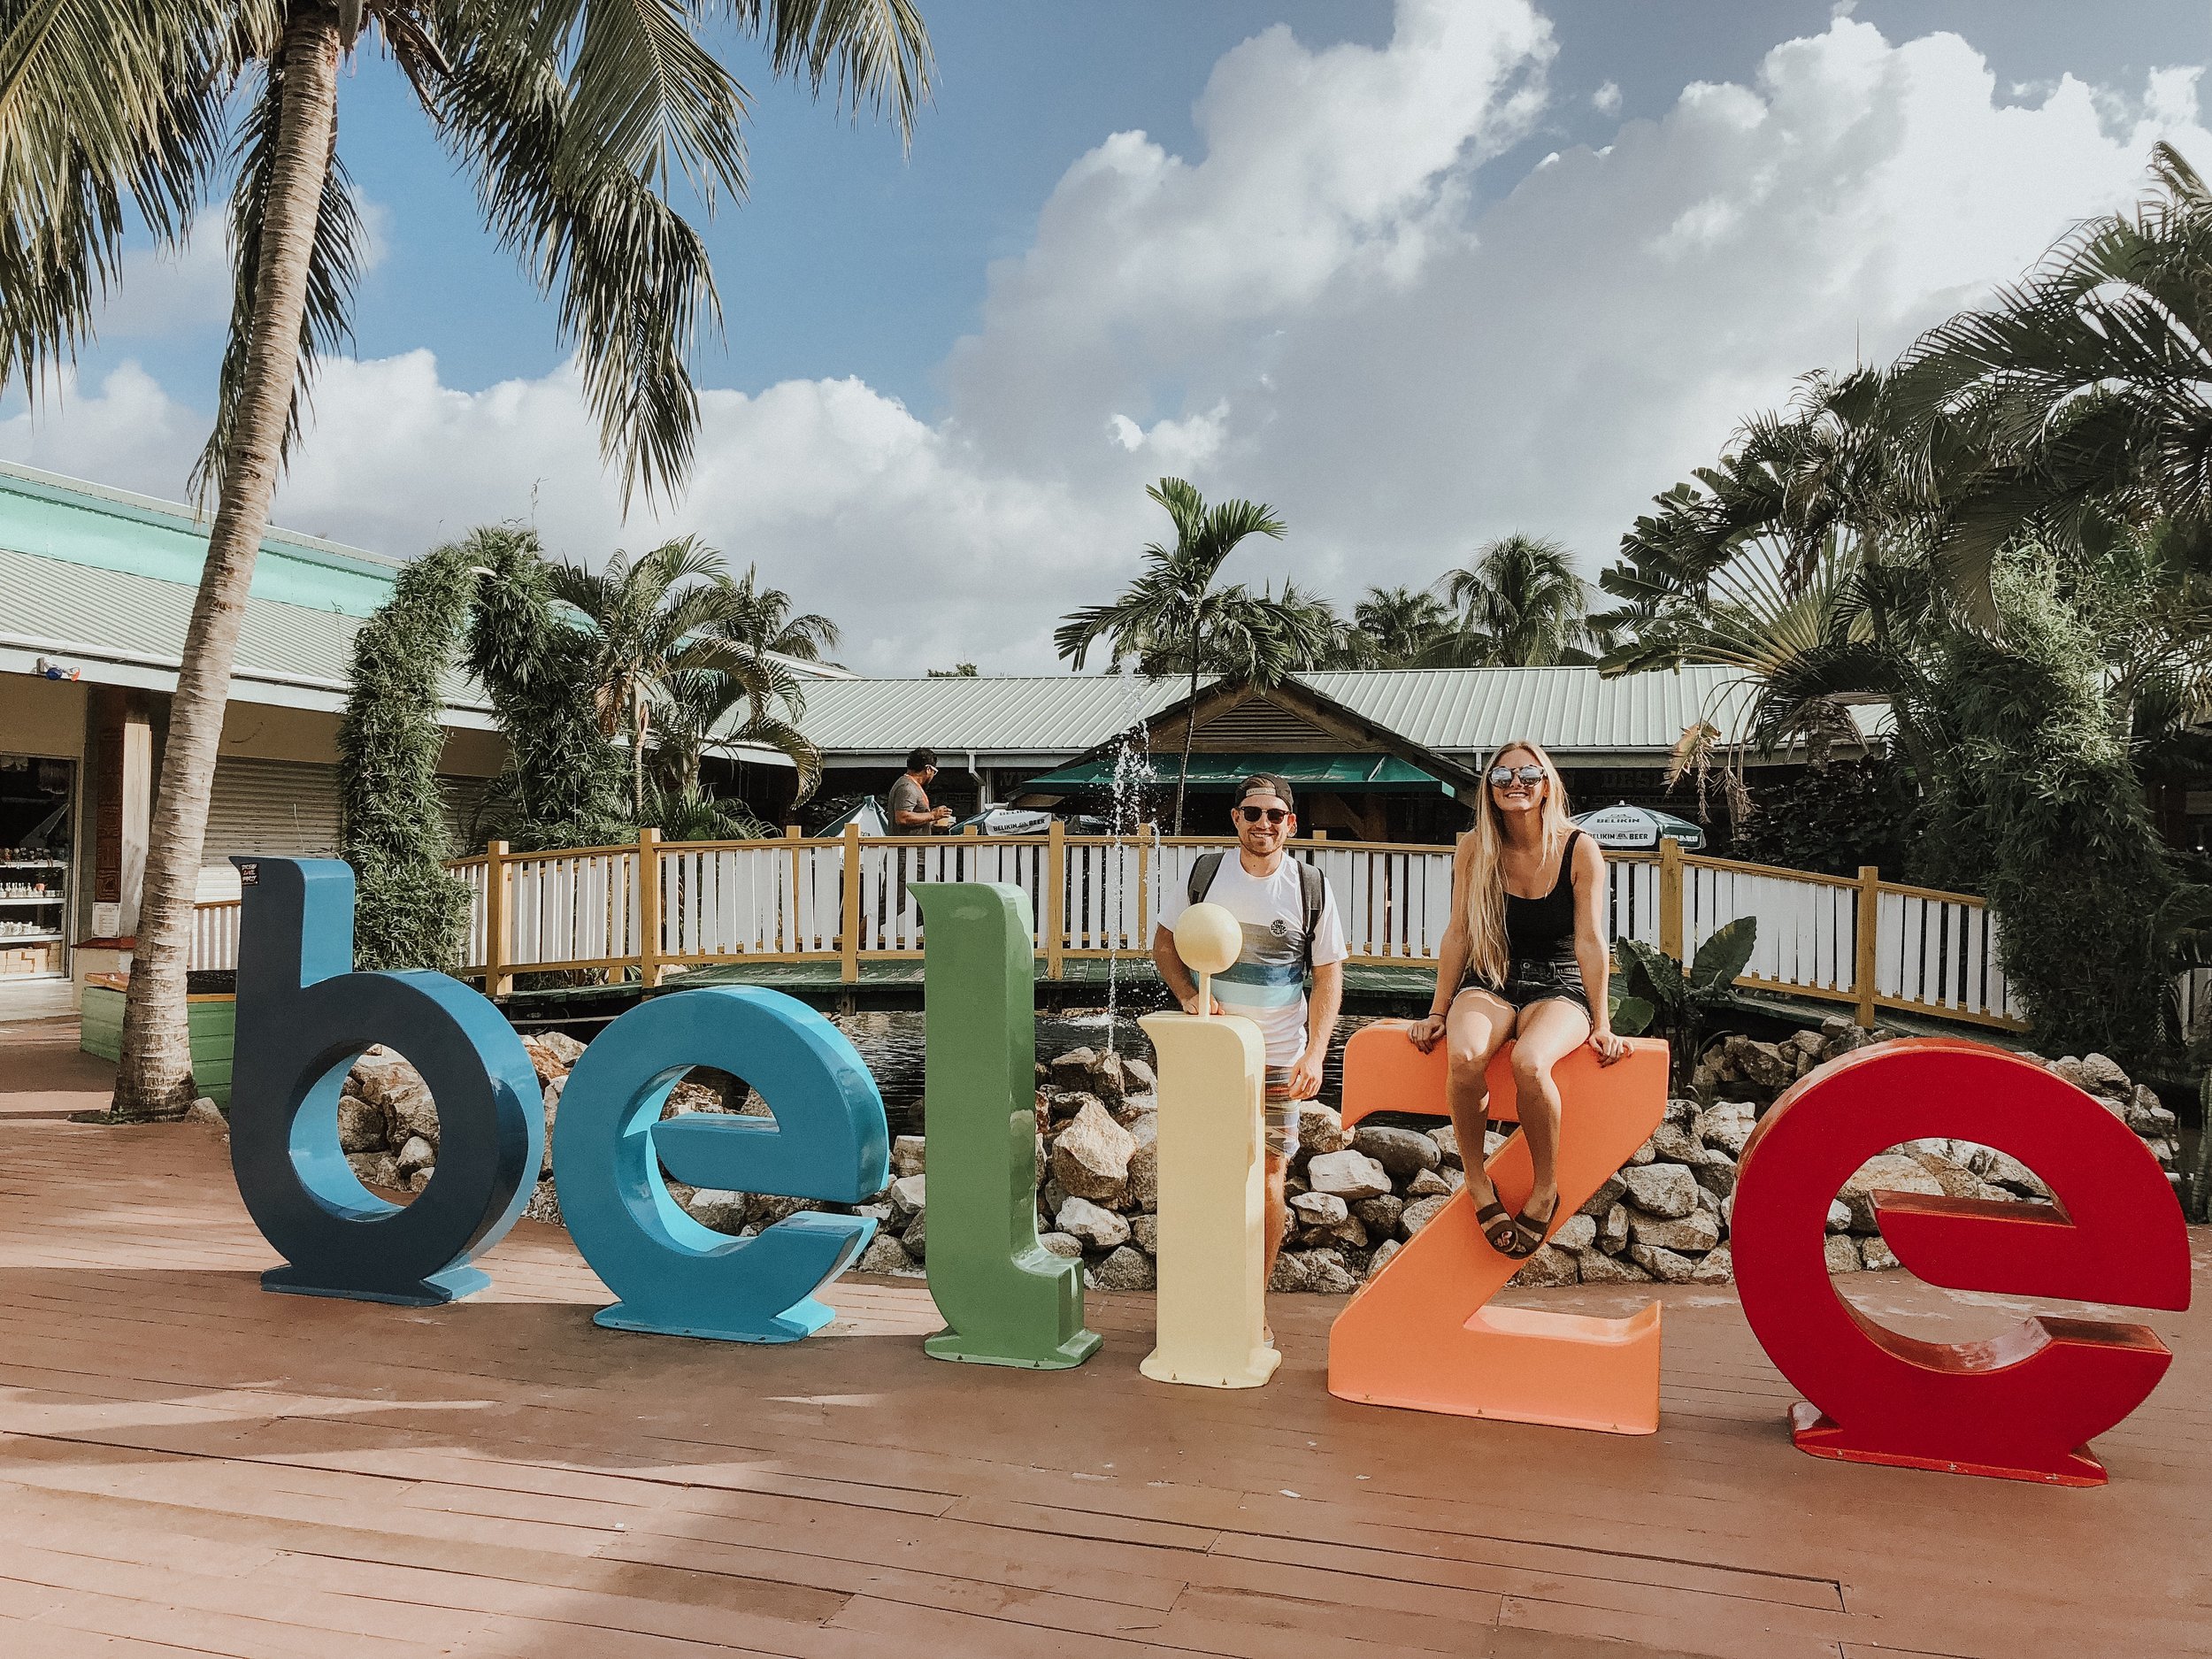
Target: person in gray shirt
911,813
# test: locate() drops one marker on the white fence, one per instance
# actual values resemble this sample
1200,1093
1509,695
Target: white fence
1863,942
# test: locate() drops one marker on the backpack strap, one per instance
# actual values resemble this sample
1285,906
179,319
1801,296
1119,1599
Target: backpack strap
1313,892
1201,876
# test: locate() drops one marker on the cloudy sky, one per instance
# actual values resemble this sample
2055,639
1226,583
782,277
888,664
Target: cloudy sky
1415,273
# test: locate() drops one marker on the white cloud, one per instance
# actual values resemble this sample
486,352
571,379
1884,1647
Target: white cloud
1607,99
1306,310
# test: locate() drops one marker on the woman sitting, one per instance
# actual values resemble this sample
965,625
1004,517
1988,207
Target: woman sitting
1523,957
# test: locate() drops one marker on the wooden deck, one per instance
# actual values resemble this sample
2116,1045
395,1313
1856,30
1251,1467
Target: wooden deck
188,1465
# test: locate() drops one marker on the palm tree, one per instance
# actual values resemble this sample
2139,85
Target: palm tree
693,710
644,628
1393,627
1172,617
1521,604
576,118
761,622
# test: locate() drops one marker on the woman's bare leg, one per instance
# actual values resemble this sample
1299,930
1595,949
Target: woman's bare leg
1474,1031
1549,1030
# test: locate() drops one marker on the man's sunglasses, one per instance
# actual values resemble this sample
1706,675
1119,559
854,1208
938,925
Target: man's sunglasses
1501,776
1273,814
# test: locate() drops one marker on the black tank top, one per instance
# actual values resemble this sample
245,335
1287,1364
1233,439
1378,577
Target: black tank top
1543,929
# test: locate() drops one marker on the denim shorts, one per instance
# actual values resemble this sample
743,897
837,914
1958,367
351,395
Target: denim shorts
1531,979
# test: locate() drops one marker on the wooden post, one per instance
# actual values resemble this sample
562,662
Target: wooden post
848,939
1862,973
648,906
1670,897
1056,895
497,983
791,940
1147,834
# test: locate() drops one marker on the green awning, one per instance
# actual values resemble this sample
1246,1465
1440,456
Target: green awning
1335,774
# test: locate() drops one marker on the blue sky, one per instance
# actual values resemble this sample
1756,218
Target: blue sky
928,380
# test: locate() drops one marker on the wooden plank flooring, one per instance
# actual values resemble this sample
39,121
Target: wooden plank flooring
189,1465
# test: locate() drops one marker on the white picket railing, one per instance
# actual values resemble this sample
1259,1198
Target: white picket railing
214,936
1863,942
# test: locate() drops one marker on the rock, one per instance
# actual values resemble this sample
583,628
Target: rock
753,1105
1576,1232
688,1097
1613,1230
1319,1209
2097,1073
1762,1064
1351,1175
408,1105
727,1211
2001,1169
1419,1213
1662,1189
1320,1129
1677,1145
1144,1232
1327,1274
1808,1042
361,1126
1446,1139
1099,1228
1381,1258
1140,1076
1143,1127
1839,1217
1124,1269
1090,1158
1955,1180
1682,1112
543,1060
1606,1196
1062,1244
1380,1215
1692,1234
420,1178
1727,1126
1885,1170
907,1155
552,1102
1706,1200
1110,1079
1131,1108
1876,1256
1073,1070
1843,1253
1071,1102
1144,1177
1663,1265
544,1205
884,1255
767,1208
1293,1271
1405,1153
1599,1268
915,1237
563,1049
378,1169
1715,1171
909,1196
1718,1267
1050,1196
418,1154
1641,1157
1429,1184
1550,1265
1452,1178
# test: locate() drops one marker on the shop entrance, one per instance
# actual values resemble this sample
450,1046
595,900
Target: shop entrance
37,812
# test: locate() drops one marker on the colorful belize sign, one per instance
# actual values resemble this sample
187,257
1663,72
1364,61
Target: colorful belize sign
2022,1406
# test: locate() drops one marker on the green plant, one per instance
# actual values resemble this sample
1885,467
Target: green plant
1520,606
1834,818
1674,1003
407,911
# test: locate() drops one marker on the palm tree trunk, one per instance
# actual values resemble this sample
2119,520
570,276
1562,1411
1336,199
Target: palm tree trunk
637,752
155,1076
1190,732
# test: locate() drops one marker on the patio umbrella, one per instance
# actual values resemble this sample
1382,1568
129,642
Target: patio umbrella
1638,828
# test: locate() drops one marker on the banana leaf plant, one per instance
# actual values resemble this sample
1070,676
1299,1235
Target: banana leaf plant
1657,997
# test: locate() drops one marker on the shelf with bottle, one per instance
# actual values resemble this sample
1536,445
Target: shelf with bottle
32,900
28,935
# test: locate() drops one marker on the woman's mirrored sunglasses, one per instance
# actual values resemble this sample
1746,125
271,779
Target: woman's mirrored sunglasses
1273,814
1501,776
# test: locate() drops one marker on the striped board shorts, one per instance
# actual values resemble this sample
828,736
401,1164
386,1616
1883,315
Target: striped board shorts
1281,1115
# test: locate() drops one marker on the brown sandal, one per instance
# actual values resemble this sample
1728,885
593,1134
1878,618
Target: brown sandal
1502,1231
1528,1236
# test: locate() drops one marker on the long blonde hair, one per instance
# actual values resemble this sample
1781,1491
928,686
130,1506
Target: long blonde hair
1488,952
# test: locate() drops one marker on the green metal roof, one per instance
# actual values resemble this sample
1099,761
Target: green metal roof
1337,774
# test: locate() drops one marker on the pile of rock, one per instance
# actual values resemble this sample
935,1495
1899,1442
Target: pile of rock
1356,1197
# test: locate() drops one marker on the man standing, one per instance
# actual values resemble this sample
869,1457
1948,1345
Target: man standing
911,813
1290,923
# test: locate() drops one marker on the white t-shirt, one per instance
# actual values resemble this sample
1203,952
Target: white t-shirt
1268,984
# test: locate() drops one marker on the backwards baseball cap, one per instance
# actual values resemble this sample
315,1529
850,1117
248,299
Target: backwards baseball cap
1265,783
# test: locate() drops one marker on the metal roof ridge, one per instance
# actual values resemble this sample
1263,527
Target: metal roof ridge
188,517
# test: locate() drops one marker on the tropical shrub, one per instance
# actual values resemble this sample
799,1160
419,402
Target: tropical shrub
1834,818
1658,997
